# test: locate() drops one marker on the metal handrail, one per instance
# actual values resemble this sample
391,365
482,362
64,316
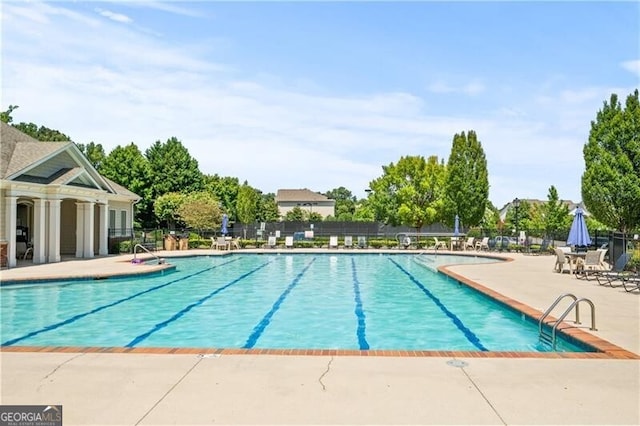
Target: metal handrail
553,305
575,304
160,261
566,312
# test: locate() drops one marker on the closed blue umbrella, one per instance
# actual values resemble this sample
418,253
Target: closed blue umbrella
456,226
225,222
579,234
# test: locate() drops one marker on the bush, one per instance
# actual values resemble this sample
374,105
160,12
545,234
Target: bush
634,262
125,246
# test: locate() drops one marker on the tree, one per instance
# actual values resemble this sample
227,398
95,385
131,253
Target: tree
364,212
226,190
128,167
611,180
295,215
268,208
345,203
467,181
43,134
491,218
173,169
313,216
94,153
5,116
200,210
410,192
166,208
554,213
247,204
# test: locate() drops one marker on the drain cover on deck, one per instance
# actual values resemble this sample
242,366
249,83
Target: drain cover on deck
457,363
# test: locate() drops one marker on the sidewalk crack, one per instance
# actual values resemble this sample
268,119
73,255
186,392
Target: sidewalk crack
200,358
324,388
52,372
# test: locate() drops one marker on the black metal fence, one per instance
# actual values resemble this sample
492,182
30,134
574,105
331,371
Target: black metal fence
123,240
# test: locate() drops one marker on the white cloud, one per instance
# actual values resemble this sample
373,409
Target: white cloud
169,7
117,85
118,17
632,66
471,89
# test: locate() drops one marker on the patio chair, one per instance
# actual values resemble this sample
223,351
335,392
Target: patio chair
271,241
235,243
362,242
333,241
437,244
592,262
288,242
616,273
469,244
482,244
563,262
348,241
222,243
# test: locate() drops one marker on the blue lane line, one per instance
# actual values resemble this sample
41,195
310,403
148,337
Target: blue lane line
103,307
165,323
362,339
458,323
259,329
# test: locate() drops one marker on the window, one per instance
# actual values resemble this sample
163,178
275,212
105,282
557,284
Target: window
112,222
123,222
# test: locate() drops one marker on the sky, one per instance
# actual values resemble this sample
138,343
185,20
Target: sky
318,95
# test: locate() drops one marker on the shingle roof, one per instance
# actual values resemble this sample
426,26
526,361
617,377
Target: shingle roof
121,190
285,195
19,150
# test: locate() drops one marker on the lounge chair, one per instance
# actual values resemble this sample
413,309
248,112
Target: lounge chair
288,241
631,283
362,242
482,244
563,262
271,241
235,243
333,241
617,273
348,241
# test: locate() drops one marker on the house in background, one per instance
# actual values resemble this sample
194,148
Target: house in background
534,202
313,202
54,202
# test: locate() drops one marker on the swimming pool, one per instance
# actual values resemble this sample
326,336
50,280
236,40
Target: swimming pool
310,301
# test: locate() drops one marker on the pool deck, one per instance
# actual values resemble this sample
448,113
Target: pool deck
229,387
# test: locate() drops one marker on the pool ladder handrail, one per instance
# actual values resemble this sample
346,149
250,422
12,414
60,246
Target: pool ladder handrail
551,338
160,260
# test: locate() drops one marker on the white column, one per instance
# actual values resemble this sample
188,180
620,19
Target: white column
39,235
54,230
11,214
79,229
103,249
88,230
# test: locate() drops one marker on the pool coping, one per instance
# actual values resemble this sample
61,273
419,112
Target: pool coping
605,349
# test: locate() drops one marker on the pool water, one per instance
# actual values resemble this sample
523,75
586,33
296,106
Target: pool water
278,301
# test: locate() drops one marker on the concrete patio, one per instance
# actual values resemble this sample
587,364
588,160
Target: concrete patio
152,389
